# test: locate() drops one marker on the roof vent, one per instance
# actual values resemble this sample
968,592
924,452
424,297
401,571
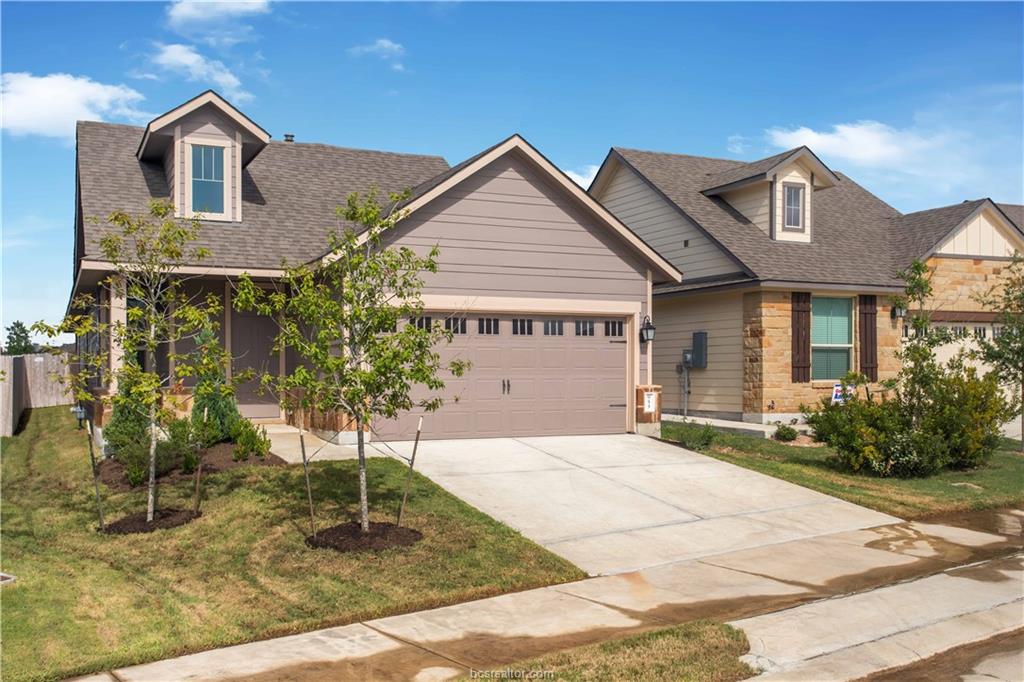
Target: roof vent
289,137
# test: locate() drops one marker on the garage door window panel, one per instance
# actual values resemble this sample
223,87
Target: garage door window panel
455,325
488,326
554,328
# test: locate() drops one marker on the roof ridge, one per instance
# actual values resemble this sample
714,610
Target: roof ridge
326,145
949,206
677,154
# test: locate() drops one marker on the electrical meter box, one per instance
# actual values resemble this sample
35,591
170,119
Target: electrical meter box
699,354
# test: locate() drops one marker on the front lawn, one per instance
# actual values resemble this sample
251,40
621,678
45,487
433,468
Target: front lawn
999,484
701,651
85,602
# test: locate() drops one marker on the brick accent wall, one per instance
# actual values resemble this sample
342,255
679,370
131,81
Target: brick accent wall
955,281
768,388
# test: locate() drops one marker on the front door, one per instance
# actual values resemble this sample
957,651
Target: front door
252,341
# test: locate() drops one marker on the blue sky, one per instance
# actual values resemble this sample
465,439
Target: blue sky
921,103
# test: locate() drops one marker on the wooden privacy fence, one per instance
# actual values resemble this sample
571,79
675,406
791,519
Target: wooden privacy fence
28,381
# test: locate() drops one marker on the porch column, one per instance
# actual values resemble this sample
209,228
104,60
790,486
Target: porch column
118,318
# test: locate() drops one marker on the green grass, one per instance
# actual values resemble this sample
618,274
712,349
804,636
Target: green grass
85,601
998,484
701,651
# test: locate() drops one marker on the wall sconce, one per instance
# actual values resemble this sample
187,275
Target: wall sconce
898,312
647,330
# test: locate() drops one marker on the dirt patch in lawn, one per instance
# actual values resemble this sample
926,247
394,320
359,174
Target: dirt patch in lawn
162,518
349,537
218,458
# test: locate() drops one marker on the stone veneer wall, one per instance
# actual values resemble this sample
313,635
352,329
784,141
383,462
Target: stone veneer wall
956,281
768,390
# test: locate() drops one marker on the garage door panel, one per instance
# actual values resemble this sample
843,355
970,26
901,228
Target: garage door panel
557,385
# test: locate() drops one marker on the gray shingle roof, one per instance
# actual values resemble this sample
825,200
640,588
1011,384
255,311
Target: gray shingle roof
289,193
851,234
1014,212
747,170
915,234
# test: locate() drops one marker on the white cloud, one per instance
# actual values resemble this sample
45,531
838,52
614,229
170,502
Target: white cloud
386,49
182,13
865,143
382,47
737,144
215,23
585,176
185,61
49,105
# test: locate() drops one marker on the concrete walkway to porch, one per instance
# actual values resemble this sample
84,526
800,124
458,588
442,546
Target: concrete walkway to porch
922,562
284,442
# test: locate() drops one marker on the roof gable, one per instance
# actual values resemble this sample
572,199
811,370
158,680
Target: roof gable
764,169
435,187
847,217
289,193
155,136
925,233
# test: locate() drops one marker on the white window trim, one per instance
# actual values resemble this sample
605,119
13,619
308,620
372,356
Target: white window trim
825,346
785,207
229,175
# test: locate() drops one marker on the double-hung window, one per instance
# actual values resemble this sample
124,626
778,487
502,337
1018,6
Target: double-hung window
794,207
831,337
207,179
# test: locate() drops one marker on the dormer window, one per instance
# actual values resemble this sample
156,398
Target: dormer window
794,207
204,146
207,179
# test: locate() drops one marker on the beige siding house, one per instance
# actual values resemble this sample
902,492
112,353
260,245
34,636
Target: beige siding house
789,269
545,289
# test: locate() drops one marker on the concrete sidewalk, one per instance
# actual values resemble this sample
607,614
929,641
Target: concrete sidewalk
496,632
856,635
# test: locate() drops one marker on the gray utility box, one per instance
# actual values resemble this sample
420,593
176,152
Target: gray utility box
699,354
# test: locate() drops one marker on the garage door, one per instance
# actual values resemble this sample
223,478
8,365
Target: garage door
530,376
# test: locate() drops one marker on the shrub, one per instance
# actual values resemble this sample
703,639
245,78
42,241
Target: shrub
128,425
785,433
182,444
967,413
214,410
952,420
134,457
695,437
249,440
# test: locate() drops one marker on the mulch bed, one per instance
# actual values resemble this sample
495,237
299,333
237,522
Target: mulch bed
217,458
348,537
162,518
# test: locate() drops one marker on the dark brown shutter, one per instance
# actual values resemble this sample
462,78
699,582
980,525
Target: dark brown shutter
801,336
868,336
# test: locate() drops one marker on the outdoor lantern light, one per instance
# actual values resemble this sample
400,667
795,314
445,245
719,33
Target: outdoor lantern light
646,330
898,312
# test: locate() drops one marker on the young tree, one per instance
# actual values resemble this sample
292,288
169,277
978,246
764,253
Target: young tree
145,255
341,314
1004,352
18,342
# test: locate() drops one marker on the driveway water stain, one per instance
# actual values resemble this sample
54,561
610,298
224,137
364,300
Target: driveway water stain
486,650
959,663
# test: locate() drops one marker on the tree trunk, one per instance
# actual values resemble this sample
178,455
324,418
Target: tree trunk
151,504
1022,416
364,507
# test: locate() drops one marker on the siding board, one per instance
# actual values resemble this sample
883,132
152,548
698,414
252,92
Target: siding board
660,225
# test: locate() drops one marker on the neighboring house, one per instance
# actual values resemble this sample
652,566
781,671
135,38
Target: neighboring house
789,269
545,289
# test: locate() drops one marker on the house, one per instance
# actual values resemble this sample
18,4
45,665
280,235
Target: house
545,289
789,269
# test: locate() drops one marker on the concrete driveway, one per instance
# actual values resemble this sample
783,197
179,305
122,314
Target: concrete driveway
612,504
